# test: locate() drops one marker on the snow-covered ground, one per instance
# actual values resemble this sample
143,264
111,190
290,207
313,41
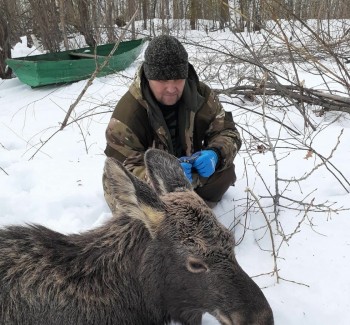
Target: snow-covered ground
58,184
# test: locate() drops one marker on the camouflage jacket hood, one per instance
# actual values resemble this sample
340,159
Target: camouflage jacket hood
191,102
138,124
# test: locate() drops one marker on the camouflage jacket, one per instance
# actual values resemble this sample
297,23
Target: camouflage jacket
138,124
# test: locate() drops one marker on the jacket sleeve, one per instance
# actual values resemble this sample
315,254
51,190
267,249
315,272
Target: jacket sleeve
222,135
128,136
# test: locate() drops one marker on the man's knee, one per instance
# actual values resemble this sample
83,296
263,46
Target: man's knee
215,186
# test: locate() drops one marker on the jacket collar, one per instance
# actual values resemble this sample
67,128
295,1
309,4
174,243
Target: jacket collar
191,102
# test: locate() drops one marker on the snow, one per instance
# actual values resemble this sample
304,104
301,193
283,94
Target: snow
59,185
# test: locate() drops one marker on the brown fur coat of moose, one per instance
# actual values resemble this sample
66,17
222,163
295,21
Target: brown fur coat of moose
162,256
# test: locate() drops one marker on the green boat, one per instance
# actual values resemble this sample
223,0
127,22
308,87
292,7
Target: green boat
74,65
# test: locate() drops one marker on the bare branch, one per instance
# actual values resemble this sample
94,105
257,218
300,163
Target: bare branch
299,93
98,69
4,171
268,223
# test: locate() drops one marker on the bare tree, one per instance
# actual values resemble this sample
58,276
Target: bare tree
224,13
5,47
193,13
131,10
85,26
62,10
145,9
110,20
46,15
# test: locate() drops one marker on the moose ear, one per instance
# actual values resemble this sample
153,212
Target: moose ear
126,194
165,172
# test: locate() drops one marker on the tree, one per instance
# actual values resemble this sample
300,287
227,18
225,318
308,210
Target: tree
224,13
85,22
110,20
193,13
5,47
47,19
145,9
63,23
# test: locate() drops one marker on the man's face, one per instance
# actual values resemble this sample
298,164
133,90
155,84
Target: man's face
167,92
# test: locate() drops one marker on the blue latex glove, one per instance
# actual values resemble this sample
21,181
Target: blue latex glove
187,168
206,162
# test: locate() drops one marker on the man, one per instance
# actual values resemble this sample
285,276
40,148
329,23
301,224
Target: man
168,108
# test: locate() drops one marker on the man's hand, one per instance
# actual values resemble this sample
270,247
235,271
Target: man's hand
206,162
187,168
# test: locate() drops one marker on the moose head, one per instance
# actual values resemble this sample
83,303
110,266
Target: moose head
188,266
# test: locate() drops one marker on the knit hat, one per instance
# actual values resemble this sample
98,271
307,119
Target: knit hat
165,59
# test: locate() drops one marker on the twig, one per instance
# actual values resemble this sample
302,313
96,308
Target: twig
84,138
43,143
323,163
274,254
291,281
4,171
273,151
261,114
296,230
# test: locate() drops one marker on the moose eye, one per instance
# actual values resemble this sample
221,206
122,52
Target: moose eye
196,265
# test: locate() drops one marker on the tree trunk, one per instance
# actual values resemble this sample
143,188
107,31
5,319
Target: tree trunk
144,6
244,19
193,14
85,22
224,13
5,47
63,23
131,10
46,16
109,21
256,15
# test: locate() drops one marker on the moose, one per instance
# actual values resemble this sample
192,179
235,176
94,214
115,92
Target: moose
161,257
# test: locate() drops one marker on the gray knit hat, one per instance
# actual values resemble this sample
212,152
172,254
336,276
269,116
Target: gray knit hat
165,59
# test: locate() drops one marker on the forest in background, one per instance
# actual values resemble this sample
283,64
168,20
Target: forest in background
52,23
293,32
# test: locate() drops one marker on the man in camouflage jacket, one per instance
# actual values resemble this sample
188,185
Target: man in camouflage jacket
197,130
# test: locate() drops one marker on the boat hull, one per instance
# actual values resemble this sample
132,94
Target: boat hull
74,65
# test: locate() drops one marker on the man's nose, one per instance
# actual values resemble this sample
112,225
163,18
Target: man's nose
171,86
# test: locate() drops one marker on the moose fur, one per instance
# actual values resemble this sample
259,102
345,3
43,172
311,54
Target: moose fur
162,257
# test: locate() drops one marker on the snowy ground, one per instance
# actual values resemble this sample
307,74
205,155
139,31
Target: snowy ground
60,186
